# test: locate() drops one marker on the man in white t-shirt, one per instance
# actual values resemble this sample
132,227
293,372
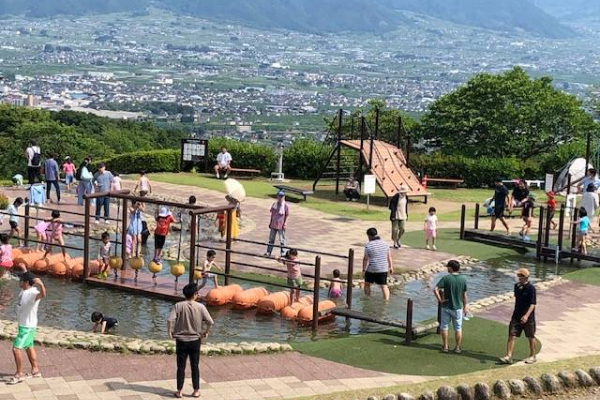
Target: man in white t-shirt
32,291
223,163
34,162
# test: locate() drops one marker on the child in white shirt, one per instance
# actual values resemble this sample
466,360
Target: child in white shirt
430,228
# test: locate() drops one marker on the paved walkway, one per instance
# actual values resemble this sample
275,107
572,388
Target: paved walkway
568,320
83,375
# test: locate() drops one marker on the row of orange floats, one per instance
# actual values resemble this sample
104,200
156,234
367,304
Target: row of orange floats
265,303
54,264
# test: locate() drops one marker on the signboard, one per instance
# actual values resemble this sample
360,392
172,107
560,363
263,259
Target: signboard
549,183
193,152
369,184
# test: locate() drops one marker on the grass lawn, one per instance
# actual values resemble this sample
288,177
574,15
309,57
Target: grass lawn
484,342
590,276
449,241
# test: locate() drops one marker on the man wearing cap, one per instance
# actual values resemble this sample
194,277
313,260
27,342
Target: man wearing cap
103,181
398,212
32,291
279,215
500,202
523,317
185,326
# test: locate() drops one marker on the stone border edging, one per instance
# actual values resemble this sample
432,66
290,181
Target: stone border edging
529,386
70,339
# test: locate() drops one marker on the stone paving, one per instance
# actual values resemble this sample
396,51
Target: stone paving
568,320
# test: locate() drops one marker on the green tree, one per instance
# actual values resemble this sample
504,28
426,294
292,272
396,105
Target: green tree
504,116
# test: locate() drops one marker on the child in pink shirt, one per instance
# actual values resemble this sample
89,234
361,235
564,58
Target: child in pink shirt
6,261
294,273
40,234
56,234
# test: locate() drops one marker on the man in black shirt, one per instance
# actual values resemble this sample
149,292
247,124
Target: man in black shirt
519,194
500,200
523,317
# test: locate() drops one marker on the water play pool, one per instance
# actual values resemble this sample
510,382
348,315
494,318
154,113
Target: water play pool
69,305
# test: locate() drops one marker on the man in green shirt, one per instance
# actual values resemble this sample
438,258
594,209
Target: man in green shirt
451,292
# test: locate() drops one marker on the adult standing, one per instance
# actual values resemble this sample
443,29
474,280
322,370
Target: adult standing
223,163
518,196
84,176
34,162
523,317
377,263
500,202
590,178
280,212
398,213
185,326
32,291
351,189
52,174
103,181
454,304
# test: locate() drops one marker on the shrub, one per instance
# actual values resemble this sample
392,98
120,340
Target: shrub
151,161
245,155
305,158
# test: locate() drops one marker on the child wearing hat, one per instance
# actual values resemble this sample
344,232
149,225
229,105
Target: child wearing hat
527,216
551,205
164,219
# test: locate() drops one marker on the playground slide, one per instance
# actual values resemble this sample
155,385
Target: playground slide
389,167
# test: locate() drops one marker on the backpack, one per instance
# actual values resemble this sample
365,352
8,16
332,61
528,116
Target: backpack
36,160
78,171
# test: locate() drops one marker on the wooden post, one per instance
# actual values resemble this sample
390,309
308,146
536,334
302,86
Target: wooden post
339,152
587,153
26,228
561,227
547,232
230,217
476,224
362,146
439,316
463,212
569,183
124,223
315,321
409,322
192,247
399,134
540,238
573,230
349,280
86,239
408,145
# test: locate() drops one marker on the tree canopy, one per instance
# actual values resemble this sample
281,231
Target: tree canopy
507,115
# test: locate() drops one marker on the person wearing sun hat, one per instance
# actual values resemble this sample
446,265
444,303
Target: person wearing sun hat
164,219
551,207
523,317
280,212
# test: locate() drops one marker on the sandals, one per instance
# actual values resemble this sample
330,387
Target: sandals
177,395
506,360
15,379
196,395
34,375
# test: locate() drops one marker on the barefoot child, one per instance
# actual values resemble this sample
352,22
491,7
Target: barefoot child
105,323
104,254
164,219
13,219
41,235
69,170
430,228
134,229
551,205
144,184
583,226
56,236
527,216
220,222
335,288
6,261
294,273
208,264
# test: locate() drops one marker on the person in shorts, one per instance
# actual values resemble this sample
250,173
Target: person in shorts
500,202
32,292
523,317
377,263
518,195
13,219
451,292
104,323
294,273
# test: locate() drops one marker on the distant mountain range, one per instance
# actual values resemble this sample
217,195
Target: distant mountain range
322,16
570,9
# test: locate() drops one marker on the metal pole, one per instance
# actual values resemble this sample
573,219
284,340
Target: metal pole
124,233
407,149
399,133
315,320
409,322
86,239
350,279
339,152
463,212
587,152
362,146
561,227
476,224
569,184
573,230
547,233
230,217
540,238
26,230
193,247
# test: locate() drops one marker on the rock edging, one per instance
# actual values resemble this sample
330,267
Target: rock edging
70,339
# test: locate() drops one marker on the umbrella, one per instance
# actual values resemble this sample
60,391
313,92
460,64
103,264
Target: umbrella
235,190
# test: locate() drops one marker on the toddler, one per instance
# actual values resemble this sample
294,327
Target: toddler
13,219
551,204
144,184
220,222
56,235
116,184
6,261
335,287
527,216
208,264
583,224
40,234
164,219
430,228
294,273
105,323
104,254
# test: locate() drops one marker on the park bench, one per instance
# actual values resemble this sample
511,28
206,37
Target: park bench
446,181
302,192
245,171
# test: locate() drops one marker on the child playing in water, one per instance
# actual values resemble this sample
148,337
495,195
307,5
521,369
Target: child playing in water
164,219
294,273
104,254
134,229
105,323
40,234
430,228
56,236
527,216
208,264
551,205
144,184
583,226
6,261
13,218
220,222
335,288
